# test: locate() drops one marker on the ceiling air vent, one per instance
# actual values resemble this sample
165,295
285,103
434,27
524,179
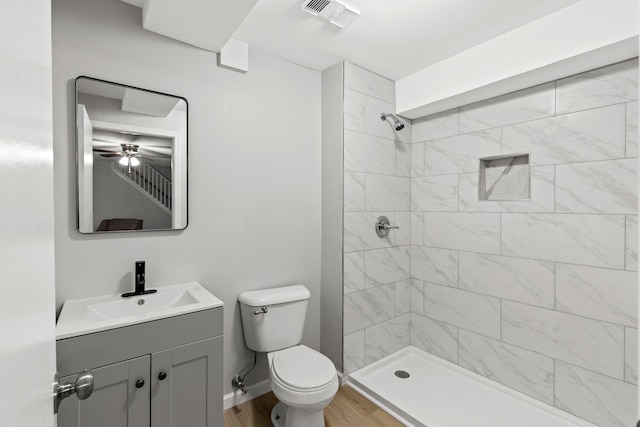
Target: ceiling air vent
315,6
334,11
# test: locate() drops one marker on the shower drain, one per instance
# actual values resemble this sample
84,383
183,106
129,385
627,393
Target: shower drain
402,374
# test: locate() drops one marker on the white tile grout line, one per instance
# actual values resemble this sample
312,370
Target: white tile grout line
554,190
458,191
609,214
607,322
458,265
501,234
553,384
525,258
626,107
504,255
457,345
552,116
458,328
624,354
580,162
624,249
555,286
501,319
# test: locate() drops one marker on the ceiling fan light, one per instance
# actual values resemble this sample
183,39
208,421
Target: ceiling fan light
134,161
124,161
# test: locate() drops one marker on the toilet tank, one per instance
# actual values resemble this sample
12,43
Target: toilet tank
282,324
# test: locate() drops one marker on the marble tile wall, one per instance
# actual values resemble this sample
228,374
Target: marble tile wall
377,181
539,295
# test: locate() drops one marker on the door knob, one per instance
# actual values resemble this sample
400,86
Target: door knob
82,387
139,383
162,375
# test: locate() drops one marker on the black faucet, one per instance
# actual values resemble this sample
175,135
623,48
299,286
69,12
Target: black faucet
139,282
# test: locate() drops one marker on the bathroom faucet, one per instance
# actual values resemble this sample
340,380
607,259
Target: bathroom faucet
139,282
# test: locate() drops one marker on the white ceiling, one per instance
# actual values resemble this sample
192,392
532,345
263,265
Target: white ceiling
393,38
207,24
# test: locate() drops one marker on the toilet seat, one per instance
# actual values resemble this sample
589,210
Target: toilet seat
302,369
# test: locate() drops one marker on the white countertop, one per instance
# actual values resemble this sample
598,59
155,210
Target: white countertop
89,315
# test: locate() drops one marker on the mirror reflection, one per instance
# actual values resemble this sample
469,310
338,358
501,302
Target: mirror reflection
132,158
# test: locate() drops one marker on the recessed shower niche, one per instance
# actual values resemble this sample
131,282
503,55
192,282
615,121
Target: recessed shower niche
504,177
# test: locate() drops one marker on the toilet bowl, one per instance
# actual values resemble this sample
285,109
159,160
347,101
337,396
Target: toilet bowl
305,382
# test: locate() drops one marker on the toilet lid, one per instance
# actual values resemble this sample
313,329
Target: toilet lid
303,368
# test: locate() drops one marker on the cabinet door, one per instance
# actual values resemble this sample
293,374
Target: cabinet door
186,385
115,402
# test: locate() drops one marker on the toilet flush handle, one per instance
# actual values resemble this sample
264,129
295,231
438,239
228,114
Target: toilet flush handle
263,310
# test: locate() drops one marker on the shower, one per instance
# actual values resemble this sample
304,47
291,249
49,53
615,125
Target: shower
396,122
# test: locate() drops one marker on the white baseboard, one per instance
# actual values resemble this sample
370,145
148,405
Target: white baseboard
255,390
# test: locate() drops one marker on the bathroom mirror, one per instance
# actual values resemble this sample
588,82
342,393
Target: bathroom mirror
131,154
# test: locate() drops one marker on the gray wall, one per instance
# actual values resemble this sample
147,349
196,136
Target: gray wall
254,181
377,170
538,295
331,307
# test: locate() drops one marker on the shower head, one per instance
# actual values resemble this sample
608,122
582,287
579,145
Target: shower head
396,122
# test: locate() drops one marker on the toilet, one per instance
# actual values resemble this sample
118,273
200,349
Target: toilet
303,380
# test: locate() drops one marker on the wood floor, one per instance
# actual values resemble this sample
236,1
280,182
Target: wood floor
348,409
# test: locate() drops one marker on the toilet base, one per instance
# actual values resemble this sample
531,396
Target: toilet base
285,416
279,414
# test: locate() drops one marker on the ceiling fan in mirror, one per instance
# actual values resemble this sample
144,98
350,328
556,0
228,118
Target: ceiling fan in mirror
132,148
131,151
128,155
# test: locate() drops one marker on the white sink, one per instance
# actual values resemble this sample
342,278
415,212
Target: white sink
87,315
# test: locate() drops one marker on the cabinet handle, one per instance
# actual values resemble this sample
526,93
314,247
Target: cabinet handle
162,375
139,383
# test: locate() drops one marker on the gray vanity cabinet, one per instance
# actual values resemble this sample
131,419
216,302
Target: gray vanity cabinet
115,402
183,384
164,373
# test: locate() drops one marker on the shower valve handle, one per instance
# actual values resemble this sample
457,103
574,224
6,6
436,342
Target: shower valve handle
383,225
